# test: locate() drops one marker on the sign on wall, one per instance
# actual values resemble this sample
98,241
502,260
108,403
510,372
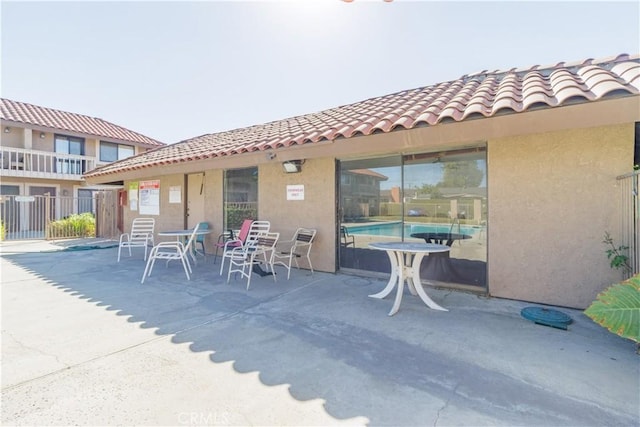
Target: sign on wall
133,196
150,197
175,194
295,192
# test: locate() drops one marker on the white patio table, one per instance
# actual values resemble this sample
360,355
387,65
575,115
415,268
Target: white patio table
181,235
405,260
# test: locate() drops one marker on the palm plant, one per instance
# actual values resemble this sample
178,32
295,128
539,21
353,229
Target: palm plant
617,308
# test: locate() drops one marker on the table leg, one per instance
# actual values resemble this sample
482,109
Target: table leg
399,290
408,272
418,284
192,252
394,276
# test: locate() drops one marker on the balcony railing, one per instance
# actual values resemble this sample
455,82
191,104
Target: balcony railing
43,164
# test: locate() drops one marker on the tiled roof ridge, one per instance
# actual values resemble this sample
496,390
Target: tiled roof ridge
28,113
574,65
473,96
500,74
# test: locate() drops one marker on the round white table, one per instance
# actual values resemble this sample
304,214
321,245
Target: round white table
181,235
405,260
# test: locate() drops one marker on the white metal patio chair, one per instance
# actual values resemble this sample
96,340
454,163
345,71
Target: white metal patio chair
256,228
141,236
299,246
171,251
259,251
231,239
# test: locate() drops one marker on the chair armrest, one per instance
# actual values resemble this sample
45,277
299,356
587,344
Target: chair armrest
285,245
233,243
173,245
123,236
225,236
304,245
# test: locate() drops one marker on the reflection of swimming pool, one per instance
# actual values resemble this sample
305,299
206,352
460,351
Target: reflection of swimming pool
394,229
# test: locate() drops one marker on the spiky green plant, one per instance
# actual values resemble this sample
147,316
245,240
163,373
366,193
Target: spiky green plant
617,256
82,225
617,308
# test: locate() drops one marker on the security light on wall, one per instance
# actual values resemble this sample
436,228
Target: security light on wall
7,129
292,166
42,135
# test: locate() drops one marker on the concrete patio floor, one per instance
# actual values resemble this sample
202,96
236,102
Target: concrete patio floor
84,343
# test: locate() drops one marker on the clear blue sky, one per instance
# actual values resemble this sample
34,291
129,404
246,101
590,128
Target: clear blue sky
175,70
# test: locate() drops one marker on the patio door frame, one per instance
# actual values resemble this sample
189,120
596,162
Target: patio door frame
463,208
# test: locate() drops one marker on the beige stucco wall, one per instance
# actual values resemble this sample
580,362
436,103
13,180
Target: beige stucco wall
43,144
18,138
24,183
317,210
172,215
551,198
13,139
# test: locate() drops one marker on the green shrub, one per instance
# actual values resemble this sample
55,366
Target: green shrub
616,255
82,225
3,231
235,216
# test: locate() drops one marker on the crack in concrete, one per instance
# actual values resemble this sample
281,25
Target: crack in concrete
33,349
445,405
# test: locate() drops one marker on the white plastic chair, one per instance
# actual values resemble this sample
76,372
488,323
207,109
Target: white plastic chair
200,239
299,246
171,251
140,237
255,229
259,251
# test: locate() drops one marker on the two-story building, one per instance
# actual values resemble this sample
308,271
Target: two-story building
44,151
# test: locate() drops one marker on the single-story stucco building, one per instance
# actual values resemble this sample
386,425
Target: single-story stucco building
520,164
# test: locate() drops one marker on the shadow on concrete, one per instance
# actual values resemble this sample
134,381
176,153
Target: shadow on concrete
322,335
435,266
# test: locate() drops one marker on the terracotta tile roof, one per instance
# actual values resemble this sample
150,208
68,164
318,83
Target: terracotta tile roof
478,95
28,114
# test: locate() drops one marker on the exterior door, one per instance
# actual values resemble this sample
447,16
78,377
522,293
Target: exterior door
195,199
423,197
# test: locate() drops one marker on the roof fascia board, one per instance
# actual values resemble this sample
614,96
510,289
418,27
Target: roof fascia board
428,138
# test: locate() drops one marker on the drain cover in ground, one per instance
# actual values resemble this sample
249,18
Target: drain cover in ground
546,316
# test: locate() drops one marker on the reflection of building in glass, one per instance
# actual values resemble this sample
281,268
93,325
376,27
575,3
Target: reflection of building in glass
360,190
460,203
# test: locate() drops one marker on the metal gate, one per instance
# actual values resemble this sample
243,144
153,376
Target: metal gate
59,217
629,184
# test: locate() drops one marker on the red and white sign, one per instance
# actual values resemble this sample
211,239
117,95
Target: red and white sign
295,192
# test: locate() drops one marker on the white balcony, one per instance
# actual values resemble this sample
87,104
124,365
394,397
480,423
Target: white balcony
44,164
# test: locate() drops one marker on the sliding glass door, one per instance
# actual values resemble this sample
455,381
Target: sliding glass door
429,197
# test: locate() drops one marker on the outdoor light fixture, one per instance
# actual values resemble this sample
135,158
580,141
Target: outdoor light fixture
292,166
42,135
7,129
